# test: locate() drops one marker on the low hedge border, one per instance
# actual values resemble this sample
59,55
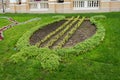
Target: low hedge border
43,57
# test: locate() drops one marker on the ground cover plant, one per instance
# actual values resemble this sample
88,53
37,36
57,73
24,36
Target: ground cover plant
102,63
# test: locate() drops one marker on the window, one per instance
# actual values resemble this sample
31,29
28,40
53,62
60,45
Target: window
19,2
37,0
60,1
86,4
93,3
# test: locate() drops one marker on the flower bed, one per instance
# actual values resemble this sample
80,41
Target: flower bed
48,58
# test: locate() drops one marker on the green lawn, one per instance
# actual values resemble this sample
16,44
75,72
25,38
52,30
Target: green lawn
102,63
4,22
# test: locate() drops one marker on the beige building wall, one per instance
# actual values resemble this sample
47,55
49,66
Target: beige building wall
115,6
104,6
66,7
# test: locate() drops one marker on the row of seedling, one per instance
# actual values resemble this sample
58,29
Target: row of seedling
52,41
69,34
53,33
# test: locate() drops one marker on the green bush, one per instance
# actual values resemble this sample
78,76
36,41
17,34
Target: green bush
97,18
25,54
50,61
47,58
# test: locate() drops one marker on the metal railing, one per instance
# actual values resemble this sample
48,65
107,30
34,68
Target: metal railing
86,3
39,5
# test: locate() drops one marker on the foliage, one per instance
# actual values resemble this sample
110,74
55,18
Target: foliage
97,18
46,57
49,60
24,54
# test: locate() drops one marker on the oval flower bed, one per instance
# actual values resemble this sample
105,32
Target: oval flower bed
48,58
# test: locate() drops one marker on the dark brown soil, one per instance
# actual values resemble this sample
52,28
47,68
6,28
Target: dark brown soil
62,37
41,33
85,31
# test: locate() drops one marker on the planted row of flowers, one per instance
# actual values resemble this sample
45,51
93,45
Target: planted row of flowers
70,33
52,33
52,41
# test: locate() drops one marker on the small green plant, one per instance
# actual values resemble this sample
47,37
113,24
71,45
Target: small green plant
52,33
69,34
51,42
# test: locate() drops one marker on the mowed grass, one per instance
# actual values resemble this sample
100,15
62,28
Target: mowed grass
12,35
102,63
4,22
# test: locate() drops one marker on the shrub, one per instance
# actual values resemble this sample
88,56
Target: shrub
47,58
50,61
25,54
97,18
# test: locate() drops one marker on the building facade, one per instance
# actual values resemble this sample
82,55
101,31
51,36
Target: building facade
60,6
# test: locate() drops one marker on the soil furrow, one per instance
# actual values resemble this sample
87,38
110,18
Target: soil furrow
61,38
85,31
43,44
41,33
66,29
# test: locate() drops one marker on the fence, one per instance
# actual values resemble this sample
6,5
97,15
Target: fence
90,4
38,5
